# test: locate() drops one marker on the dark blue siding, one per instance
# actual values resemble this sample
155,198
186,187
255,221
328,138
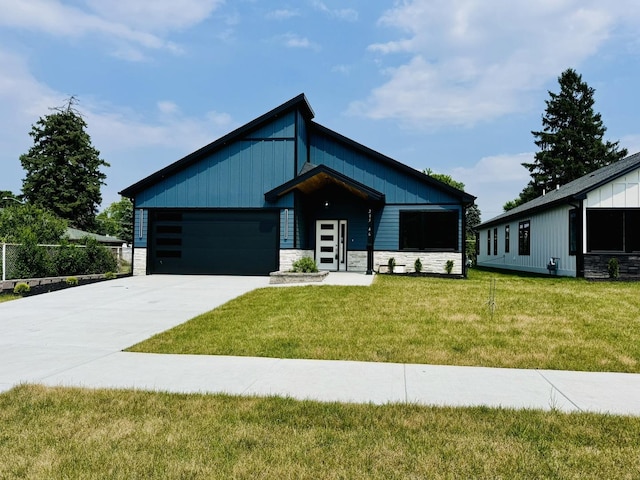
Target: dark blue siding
140,234
281,127
235,177
302,141
398,186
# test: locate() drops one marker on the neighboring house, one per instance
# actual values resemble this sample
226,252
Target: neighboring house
572,231
75,236
283,187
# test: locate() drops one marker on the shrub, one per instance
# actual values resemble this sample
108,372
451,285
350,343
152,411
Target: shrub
305,265
613,267
417,265
21,288
391,264
110,275
71,281
448,266
32,260
69,259
98,258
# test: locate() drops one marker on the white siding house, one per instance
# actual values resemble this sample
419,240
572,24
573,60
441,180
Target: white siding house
572,231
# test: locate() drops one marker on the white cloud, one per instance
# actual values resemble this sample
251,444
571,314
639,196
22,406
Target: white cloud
472,61
347,14
494,180
292,40
283,14
167,107
157,15
130,24
343,69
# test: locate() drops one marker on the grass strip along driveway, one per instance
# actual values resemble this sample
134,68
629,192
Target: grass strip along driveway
544,323
71,433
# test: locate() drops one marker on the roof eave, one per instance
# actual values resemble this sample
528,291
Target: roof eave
370,193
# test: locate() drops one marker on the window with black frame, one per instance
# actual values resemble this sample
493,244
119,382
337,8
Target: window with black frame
429,230
573,231
524,238
613,230
506,239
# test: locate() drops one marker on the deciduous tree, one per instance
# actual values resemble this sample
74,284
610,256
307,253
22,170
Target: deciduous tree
117,220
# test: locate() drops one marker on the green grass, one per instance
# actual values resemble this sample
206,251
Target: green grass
72,433
546,323
5,297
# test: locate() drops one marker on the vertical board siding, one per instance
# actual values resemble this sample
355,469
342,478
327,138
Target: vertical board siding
623,192
140,241
286,203
234,177
302,142
549,237
397,186
278,127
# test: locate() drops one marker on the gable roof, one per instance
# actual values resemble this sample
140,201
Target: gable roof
299,102
572,191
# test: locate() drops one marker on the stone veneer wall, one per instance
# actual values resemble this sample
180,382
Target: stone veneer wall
432,262
288,256
357,261
597,266
139,261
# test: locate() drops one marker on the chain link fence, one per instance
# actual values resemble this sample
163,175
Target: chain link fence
9,258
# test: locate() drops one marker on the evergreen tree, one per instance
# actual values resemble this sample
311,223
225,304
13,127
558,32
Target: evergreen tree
571,140
63,168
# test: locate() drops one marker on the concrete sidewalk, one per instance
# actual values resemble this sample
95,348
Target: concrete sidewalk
74,338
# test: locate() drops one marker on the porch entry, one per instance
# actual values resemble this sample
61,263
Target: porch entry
331,245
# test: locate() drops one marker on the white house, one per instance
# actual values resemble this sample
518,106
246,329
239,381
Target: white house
571,231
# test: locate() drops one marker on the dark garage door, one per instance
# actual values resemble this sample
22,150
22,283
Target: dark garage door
214,242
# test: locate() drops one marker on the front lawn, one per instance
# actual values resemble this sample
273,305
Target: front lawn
545,323
73,433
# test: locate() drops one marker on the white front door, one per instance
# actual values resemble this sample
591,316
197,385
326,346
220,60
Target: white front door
331,244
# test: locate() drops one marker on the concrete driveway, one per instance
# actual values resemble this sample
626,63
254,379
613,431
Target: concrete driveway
53,332
74,337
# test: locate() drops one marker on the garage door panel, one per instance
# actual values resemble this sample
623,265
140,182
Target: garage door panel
215,242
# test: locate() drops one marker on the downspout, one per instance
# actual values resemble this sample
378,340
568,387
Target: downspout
580,253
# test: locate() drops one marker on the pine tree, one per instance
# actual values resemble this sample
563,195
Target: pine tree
571,140
63,168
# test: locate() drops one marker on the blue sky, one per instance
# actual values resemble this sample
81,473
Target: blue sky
451,85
